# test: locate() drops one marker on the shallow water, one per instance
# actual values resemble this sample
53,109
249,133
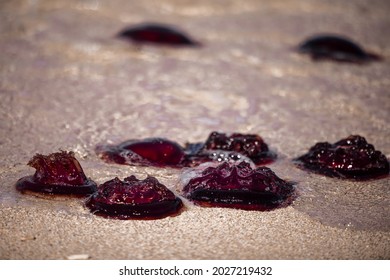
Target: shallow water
66,82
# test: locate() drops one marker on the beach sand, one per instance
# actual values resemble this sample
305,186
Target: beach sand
67,83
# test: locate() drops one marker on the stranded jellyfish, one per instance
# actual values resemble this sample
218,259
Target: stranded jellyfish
351,158
162,152
336,48
250,146
158,152
157,34
238,186
57,173
134,199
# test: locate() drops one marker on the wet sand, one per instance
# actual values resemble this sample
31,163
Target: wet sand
67,83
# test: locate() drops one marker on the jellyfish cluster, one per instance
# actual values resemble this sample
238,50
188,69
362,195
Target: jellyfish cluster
240,181
225,170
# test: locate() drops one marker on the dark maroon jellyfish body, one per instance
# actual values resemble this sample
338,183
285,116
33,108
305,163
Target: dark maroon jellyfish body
350,158
157,152
251,146
160,152
239,186
332,47
57,173
134,199
157,34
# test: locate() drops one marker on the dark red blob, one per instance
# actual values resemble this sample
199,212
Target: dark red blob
239,186
161,152
57,173
335,48
157,34
249,145
351,158
147,152
134,199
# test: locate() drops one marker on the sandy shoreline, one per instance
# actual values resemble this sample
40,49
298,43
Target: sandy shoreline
66,83
203,234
